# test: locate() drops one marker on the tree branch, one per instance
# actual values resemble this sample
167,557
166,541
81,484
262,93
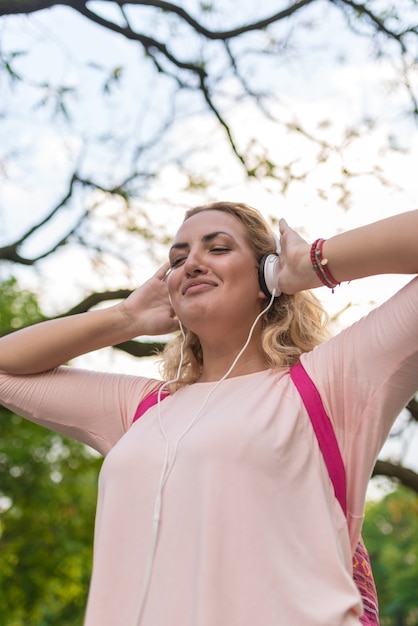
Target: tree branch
376,21
9,7
135,348
412,407
168,7
405,476
141,349
148,43
11,252
96,298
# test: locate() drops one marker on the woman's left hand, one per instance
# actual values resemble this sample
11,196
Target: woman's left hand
296,272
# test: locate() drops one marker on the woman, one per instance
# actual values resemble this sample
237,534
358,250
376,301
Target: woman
215,507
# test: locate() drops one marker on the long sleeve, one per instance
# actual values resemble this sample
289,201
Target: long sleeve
365,376
93,407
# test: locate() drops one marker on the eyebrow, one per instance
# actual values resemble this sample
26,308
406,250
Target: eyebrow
205,239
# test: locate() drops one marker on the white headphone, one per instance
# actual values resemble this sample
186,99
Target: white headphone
268,271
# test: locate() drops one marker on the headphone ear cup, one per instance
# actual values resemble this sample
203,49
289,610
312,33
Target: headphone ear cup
268,274
261,278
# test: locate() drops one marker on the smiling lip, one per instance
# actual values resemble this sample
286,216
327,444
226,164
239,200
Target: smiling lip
198,285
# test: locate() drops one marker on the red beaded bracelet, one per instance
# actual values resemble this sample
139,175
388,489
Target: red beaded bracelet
320,265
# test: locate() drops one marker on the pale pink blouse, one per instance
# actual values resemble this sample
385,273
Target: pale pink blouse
250,531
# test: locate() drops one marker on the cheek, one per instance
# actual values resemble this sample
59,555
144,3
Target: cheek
172,285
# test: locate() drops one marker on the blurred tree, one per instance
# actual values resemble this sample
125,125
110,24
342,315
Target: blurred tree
47,506
391,534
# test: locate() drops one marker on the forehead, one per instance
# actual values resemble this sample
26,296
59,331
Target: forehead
207,222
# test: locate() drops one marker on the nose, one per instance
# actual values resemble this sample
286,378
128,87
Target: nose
194,263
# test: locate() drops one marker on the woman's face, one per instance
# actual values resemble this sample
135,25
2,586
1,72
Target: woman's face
214,274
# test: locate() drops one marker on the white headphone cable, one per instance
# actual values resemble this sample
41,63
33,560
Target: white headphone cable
167,467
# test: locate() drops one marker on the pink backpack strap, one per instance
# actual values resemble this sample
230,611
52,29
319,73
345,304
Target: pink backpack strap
324,431
147,403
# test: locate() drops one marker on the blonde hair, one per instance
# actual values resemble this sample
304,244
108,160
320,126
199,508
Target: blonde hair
292,325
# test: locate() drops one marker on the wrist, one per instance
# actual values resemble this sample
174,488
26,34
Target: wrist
308,276
126,322
320,265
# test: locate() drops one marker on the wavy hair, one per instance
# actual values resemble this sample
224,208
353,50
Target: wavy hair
292,325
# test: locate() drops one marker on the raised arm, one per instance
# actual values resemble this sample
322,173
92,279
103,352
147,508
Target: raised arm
388,246
44,346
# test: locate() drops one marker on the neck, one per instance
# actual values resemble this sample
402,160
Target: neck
221,347
218,359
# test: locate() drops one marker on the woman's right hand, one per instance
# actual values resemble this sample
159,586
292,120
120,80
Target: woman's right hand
43,346
148,309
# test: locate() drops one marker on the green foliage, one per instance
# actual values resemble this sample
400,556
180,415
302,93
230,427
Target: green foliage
47,504
18,307
48,490
390,532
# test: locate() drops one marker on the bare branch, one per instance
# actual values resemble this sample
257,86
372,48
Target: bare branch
168,7
376,21
31,6
96,298
405,476
135,348
140,349
222,122
412,407
409,88
148,42
11,252
11,7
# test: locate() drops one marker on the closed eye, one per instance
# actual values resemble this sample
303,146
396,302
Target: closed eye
220,249
214,250
176,262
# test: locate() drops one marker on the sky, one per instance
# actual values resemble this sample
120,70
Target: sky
333,81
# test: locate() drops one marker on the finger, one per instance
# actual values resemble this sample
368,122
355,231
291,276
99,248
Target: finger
161,273
283,225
